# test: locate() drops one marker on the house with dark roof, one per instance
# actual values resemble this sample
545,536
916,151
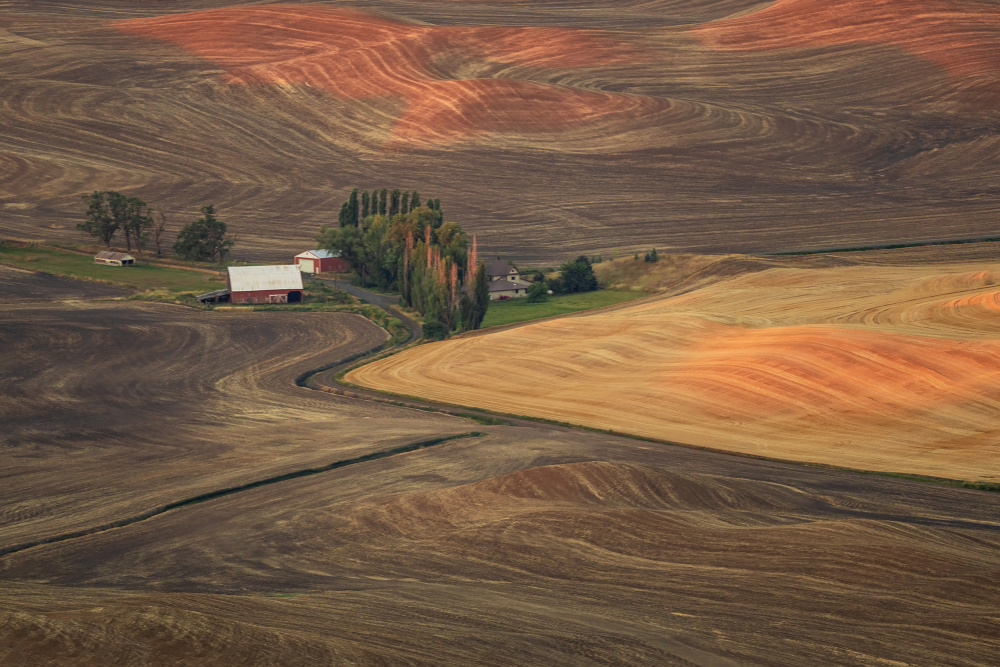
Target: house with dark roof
505,280
500,269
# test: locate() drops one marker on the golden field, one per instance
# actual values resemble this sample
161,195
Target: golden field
889,368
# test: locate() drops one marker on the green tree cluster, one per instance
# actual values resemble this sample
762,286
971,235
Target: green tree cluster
538,292
576,276
204,239
427,260
110,211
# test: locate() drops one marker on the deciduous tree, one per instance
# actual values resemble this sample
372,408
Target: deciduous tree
578,276
204,239
100,223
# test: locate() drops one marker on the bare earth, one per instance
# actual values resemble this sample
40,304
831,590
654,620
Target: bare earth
526,545
871,367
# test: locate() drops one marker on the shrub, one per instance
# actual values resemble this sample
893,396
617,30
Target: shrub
538,292
435,330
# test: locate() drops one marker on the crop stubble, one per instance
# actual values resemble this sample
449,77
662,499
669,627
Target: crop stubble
871,367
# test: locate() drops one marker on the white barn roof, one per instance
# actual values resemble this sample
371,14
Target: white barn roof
318,254
254,278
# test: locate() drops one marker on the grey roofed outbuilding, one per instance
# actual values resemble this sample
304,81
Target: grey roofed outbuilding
213,296
259,278
114,256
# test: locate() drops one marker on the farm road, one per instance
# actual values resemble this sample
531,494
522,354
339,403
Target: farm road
387,302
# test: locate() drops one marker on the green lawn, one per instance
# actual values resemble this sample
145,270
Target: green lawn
141,276
519,310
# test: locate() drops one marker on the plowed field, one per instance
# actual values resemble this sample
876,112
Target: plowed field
549,129
891,369
526,545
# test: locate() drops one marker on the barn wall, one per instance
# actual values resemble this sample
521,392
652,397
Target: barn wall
259,296
337,264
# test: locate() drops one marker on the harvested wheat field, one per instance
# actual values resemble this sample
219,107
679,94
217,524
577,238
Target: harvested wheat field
880,368
546,128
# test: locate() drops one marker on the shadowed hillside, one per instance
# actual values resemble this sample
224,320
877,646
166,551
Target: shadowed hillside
546,128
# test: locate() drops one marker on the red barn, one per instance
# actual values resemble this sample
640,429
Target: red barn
321,261
265,284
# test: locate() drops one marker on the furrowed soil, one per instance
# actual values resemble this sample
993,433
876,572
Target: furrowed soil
526,544
549,129
546,128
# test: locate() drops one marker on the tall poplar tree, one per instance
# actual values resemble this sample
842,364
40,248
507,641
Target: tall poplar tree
394,203
352,208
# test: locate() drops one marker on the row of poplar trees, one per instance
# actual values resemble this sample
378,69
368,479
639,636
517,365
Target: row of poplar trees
384,203
395,243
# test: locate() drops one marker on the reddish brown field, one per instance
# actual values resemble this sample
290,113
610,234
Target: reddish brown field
170,496
549,129
357,55
960,37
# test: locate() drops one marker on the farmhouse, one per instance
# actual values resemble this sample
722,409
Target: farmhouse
505,280
265,284
113,258
321,261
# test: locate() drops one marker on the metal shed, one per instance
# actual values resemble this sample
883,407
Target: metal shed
112,258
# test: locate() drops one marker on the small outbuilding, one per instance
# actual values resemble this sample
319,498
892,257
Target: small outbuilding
321,261
218,296
265,284
111,258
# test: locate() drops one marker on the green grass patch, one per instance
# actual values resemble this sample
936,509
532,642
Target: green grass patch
140,276
483,419
519,310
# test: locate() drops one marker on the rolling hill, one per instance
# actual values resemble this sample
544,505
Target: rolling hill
547,128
